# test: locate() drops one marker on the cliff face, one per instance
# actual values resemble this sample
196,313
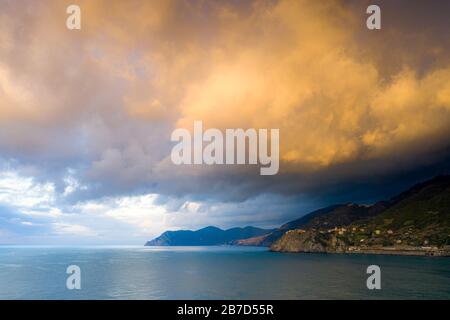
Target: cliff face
299,241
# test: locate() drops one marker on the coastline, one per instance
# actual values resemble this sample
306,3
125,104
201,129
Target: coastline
392,251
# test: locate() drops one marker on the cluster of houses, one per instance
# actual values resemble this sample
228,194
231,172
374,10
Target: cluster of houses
342,230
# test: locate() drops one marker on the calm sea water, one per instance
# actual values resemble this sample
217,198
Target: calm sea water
214,273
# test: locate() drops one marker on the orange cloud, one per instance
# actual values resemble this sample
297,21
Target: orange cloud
292,65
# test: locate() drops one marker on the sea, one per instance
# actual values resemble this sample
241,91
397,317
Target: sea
220,272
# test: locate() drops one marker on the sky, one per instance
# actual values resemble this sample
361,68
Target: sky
86,115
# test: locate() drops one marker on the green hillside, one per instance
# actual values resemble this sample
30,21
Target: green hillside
416,221
418,216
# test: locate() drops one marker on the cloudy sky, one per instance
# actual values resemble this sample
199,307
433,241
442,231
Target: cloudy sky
86,115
